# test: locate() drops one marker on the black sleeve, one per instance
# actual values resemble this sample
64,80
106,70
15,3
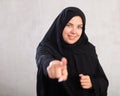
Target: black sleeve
100,81
43,62
43,58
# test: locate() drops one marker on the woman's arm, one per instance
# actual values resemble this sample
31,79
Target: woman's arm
100,81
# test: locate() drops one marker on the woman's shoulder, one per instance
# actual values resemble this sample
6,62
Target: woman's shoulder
91,45
90,49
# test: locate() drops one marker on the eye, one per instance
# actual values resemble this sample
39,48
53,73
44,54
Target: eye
80,27
69,25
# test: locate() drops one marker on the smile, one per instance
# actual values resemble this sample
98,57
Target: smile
71,37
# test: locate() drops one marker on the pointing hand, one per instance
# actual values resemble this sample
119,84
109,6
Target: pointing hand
58,70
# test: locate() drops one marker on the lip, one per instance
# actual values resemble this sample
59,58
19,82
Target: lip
71,37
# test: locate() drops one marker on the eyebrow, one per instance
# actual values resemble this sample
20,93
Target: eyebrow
72,24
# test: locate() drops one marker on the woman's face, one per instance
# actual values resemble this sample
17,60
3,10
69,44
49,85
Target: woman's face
73,30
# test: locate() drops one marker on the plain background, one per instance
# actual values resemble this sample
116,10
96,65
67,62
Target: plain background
23,24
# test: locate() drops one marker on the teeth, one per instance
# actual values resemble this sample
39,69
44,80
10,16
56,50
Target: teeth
71,37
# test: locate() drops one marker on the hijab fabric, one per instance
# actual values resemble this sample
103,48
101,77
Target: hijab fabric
54,34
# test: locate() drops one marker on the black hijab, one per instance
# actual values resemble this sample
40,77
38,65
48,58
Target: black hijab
54,34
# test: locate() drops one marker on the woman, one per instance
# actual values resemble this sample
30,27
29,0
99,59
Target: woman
67,62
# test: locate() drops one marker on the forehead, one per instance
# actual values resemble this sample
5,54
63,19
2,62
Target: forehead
75,19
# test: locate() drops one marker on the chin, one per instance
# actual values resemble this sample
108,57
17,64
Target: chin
70,42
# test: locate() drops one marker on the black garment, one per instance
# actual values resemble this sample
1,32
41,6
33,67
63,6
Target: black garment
81,57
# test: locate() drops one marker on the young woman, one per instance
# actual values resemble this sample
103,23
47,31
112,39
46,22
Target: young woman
67,62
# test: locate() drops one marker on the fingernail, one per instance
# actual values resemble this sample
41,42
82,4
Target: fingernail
60,80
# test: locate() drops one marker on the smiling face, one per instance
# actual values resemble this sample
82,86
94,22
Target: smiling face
73,30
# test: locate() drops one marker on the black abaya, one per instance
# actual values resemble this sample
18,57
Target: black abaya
81,57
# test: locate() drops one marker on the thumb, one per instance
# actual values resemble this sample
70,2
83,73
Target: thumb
81,75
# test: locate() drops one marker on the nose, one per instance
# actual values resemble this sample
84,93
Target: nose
73,31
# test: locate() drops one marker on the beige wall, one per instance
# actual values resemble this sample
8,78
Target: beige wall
23,23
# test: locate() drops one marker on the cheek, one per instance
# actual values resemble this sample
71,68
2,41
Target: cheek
80,33
65,32
64,35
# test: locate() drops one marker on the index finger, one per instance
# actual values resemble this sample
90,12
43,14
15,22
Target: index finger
64,62
83,76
